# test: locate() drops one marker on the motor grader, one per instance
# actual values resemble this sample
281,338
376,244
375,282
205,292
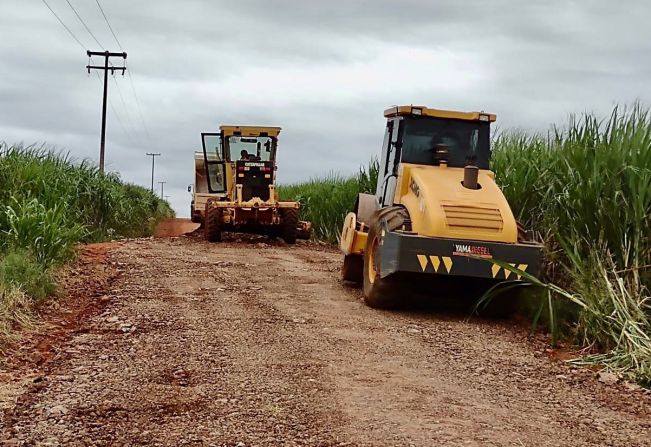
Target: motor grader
235,186
437,214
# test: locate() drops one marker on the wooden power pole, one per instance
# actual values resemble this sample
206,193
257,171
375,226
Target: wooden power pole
105,68
153,157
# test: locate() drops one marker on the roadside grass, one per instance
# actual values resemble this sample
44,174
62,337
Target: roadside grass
15,311
49,203
326,201
586,189
103,204
19,269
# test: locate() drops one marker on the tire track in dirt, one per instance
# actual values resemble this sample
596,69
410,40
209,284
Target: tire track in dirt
418,376
253,343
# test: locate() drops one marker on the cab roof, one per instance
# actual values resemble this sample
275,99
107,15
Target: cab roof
249,131
412,110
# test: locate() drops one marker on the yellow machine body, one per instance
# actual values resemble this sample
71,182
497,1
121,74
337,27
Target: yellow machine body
437,208
232,191
440,206
250,131
239,190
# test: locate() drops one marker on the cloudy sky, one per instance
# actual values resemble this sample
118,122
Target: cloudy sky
324,71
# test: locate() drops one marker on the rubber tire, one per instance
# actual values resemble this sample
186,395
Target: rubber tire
289,224
213,220
353,268
381,293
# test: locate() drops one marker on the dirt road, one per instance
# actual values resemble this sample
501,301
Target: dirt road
247,343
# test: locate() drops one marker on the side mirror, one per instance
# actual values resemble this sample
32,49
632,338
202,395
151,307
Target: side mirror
189,188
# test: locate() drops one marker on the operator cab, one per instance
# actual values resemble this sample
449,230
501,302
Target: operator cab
239,148
423,136
241,155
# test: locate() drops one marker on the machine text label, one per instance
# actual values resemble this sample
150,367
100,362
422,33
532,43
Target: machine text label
472,250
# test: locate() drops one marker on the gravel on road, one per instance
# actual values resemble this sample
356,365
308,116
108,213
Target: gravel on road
255,343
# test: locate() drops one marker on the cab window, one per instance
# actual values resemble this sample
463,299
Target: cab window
251,148
466,141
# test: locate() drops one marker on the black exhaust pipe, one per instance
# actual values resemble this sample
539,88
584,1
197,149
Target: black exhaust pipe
470,177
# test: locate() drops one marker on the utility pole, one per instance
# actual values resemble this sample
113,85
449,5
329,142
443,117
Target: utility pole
161,188
167,198
106,68
153,156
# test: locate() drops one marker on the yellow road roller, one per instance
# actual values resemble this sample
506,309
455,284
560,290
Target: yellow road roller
437,213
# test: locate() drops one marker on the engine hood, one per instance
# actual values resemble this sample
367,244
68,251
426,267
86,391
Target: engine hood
440,206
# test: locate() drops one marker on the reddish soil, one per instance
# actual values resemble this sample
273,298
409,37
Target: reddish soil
175,227
82,294
253,343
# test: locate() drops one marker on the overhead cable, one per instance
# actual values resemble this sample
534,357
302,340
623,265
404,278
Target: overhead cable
65,26
84,24
109,25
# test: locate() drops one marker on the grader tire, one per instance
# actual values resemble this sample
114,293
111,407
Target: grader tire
289,225
353,268
381,293
212,225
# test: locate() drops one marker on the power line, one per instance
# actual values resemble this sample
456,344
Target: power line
131,82
84,24
126,109
131,131
76,39
130,134
132,127
133,89
109,25
117,116
79,42
65,26
87,29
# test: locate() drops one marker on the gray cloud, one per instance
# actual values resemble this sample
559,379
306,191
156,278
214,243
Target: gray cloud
324,71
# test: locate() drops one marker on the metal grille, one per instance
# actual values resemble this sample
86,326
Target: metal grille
464,217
